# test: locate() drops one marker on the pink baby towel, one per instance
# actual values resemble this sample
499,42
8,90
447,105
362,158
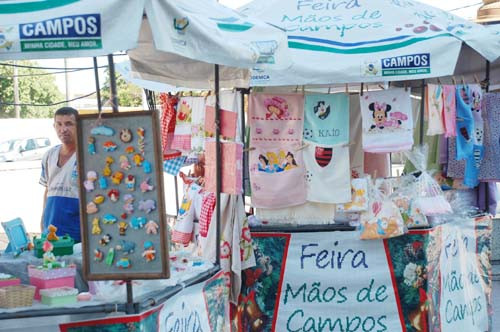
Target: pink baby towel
276,118
232,167
434,110
227,120
450,111
185,109
387,120
277,175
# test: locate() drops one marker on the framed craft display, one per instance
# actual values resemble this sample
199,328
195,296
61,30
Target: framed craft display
16,233
121,196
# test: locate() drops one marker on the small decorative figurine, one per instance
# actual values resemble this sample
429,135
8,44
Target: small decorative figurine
99,199
92,208
145,186
151,227
105,240
149,252
147,205
123,263
107,169
130,182
122,228
110,257
127,247
117,177
128,206
141,132
103,183
129,149
91,145
109,219
49,260
109,146
123,215
98,255
124,164
125,135
114,195
146,166
138,159
51,236
102,130
138,222
89,183
96,229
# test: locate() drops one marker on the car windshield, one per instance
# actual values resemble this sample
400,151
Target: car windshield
7,146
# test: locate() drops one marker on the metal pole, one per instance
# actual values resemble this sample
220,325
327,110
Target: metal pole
487,78
176,184
218,167
97,86
17,108
422,110
66,80
243,132
130,298
112,83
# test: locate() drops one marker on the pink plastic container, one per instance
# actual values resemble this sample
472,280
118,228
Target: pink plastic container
10,282
51,278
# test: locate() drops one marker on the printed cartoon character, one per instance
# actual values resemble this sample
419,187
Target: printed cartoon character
130,182
264,165
124,163
149,252
122,228
89,183
91,145
51,236
184,112
105,240
290,162
322,110
96,229
276,160
380,111
476,102
125,135
277,108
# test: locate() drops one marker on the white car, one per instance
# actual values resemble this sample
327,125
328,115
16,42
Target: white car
24,149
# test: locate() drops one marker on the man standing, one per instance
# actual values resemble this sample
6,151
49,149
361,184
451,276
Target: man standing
60,177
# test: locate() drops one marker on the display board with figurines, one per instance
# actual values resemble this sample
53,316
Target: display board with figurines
121,196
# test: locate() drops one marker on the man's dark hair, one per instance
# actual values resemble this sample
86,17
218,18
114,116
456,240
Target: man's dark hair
66,111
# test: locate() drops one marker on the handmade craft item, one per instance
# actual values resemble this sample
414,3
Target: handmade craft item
91,145
228,120
232,165
434,106
102,130
359,194
59,296
89,183
450,111
126,135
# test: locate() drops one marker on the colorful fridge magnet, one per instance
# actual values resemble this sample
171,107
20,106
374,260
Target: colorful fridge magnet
110,257
129,149
92,208
127,247
89,183
138,222
130,182
138,159
103,131
96,229
107,169
51,236
123,215
147,205
128,206
98,255
122,228
145,186
146,166
103,183
114,195
109,146
105,240
123,263
125,135
141,132
109,219
117,177
124,163
151,227
149,252
91,145
99,199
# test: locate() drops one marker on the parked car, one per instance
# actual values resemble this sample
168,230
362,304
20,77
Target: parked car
24,149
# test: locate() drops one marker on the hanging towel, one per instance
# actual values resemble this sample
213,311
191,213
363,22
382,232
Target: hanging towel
276,118
465,123
174,165
277,175
490,165
168,115
207,209
387,120
183,228
227,123
356,153
327,118
232,167
434,109
230,101
449,113
182,133
328,173
197,127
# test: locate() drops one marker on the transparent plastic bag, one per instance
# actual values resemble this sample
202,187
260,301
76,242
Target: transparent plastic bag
405,199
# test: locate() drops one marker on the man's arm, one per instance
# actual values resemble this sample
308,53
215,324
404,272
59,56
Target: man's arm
43,208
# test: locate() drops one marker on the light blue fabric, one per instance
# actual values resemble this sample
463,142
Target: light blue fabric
465,123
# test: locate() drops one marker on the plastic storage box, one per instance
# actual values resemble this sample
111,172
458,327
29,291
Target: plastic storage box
63,246
59,296
8,280
51,278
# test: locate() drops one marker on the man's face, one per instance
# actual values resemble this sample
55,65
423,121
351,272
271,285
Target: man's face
65,126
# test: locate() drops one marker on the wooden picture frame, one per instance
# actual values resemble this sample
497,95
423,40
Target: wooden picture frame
16,233
122,220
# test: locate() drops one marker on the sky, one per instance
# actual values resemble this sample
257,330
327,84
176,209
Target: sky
82,82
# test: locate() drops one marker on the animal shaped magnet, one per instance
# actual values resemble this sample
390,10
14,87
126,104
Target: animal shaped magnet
125,135
138,222
99,199
145,186
92,208
151,227
117,177
146,166
147,205
96,229
138,159
102,130
127,247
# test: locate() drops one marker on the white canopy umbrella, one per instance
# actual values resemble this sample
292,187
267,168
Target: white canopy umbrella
368,40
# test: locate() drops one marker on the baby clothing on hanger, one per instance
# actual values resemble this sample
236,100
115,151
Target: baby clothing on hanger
449,113
434,109
465,123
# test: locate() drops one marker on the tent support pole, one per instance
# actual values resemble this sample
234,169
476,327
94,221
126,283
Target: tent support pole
243,135
218,167
112,83
176,184
487,78
422,110
97,86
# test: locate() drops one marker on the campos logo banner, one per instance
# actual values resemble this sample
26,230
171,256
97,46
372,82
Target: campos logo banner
412,64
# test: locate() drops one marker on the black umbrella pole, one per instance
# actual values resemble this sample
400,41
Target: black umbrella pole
97,86
218,166
112,84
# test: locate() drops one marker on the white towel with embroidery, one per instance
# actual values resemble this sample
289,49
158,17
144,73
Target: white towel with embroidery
434,110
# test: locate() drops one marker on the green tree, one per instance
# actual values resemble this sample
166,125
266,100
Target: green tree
36,89
129,95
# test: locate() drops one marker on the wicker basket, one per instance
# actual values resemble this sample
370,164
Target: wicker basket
17,296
